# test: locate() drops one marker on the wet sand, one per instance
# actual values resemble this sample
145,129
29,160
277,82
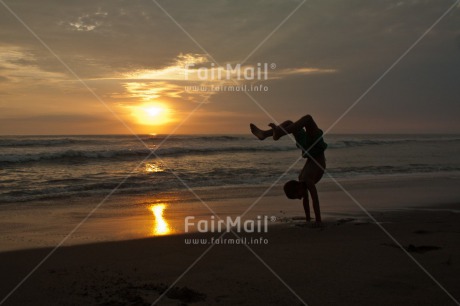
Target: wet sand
348,262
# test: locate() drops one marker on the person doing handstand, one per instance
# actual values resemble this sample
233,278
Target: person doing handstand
309,138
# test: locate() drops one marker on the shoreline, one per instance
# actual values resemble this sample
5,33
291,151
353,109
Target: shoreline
46,223
240,191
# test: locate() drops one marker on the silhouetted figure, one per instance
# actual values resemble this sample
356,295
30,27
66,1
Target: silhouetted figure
309,138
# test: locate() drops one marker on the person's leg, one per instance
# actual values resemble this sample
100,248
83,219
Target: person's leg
306,122
262,134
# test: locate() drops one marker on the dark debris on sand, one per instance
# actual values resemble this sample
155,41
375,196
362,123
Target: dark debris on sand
422,249
110,290
134,295
185,295
415,249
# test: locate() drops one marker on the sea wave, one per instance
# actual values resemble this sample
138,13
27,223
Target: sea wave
350,143
189,147
166,182
378,170
123,154
159,138
46,141
38,142
122,140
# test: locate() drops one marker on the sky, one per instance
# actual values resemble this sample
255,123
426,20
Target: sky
120,67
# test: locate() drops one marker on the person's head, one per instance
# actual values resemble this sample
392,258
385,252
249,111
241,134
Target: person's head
294,190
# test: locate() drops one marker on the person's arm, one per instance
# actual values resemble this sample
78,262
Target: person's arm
306,207
314,197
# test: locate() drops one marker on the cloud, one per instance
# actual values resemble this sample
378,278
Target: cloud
200,67
19,65
88,22
178,70
70,118
302,71
148,91
61,123
137,34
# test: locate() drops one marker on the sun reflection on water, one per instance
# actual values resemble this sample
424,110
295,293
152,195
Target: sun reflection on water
153,168
160,226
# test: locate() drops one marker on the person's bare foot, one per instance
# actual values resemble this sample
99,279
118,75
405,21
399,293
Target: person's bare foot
257,132
276,131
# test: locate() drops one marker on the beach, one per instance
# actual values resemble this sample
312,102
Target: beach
229,153
349,261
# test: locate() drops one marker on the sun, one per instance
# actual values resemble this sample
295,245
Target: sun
151,114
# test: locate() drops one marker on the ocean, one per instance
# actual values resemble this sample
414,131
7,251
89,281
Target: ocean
48,167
